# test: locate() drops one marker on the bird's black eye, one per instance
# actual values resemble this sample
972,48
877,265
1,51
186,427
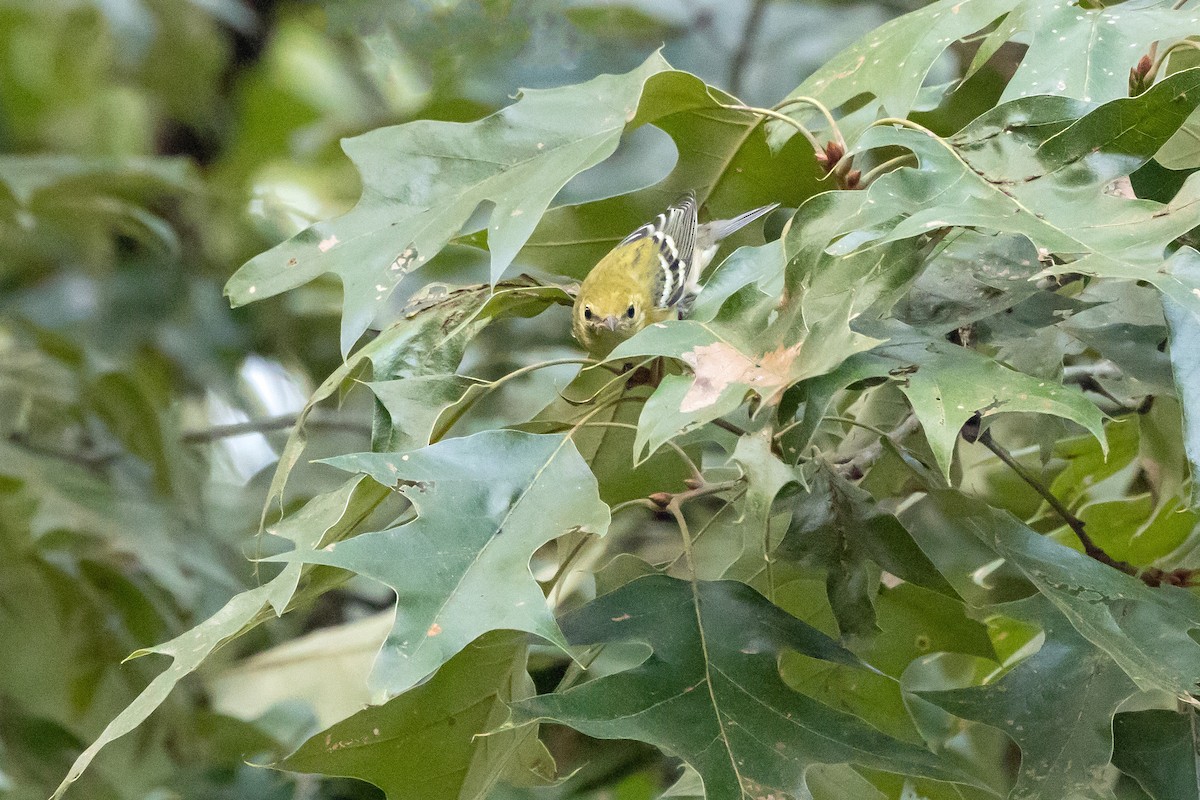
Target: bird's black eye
629,312
587,313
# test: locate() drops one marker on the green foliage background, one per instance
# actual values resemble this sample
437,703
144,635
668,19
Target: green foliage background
383,530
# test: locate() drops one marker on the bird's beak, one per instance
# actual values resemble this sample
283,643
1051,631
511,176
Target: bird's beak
610,323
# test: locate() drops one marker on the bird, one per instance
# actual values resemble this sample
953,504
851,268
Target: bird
652,275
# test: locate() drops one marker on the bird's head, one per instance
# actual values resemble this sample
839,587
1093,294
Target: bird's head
603,316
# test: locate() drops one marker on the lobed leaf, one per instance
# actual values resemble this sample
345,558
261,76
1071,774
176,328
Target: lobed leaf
423,180
435,742
484,504
711,694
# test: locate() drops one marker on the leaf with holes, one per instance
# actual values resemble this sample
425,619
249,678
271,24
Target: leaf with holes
423,180
1056,32
891,62
484,504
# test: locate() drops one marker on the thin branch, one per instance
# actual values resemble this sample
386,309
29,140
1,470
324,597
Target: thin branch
728,426
205,435
741,56
637,501
1073,522
855,466
86,458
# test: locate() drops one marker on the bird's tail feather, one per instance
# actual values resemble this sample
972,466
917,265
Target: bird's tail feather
720,228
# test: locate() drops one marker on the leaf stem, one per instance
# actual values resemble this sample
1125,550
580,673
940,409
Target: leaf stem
621,377
766,112
886,166
1161,58
697,475
444,427
819,106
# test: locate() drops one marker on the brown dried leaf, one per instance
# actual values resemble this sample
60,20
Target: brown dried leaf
719,366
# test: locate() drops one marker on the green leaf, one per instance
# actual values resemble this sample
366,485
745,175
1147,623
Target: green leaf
601,411
946,385
1147,631
1158,749
711,693
484,504
666,414
951,384
890,63
434,742
1183,325
761,266
722,156
837,527
1114,38
413,406
971,277
423,181
726,364
321,519
429,339
1057,705
1038,167
916,622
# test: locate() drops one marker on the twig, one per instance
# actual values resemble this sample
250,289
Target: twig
284,422
854,467
728,426
737,65
88,459
1073,522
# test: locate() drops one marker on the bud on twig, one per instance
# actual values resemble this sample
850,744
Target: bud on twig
829,158
661,499
1141,77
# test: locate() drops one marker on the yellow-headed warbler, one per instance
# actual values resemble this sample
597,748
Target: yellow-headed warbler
652,275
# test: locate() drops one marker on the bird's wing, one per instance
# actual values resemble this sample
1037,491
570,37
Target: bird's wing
674,233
